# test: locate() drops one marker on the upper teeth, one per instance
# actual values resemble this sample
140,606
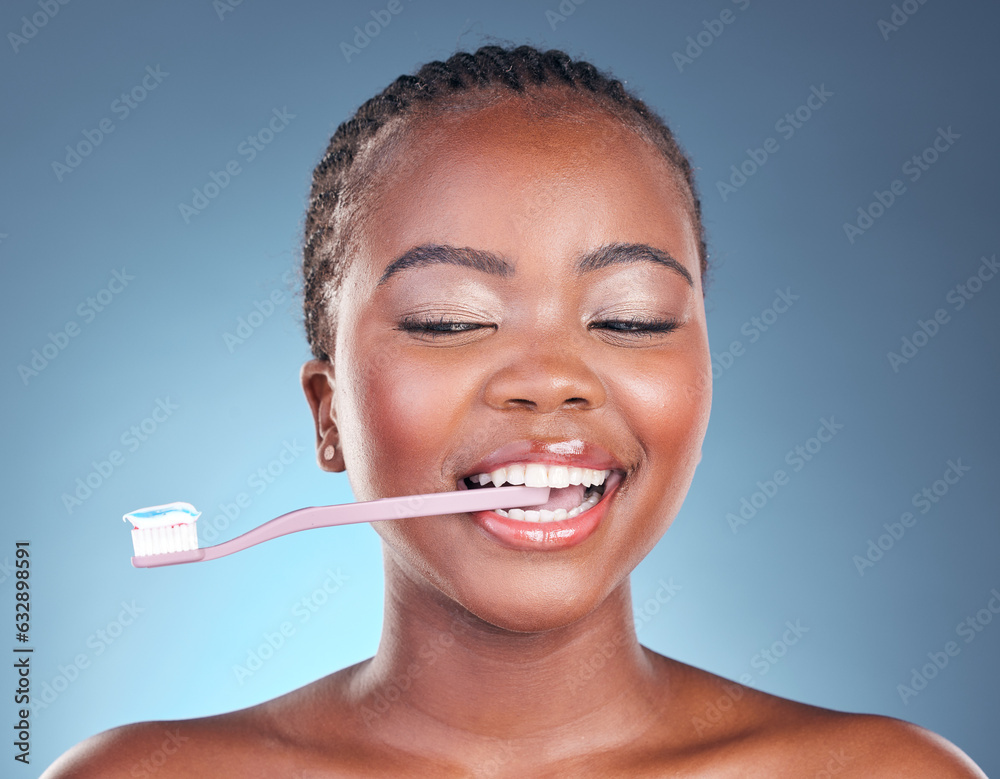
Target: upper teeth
537,475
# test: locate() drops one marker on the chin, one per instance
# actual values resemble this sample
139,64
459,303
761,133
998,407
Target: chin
540,605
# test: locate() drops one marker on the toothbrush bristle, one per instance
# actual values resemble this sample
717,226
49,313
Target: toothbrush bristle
164,529
167,538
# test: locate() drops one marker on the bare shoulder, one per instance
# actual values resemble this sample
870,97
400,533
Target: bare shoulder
122,751
279,737
885,746
233,744
733,724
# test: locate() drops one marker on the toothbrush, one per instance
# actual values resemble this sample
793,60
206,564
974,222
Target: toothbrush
166,535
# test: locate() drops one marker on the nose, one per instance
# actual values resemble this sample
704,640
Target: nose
551,377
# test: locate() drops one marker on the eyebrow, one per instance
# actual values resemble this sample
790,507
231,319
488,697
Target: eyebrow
498,265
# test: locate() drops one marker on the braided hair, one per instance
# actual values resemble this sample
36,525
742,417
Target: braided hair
459,84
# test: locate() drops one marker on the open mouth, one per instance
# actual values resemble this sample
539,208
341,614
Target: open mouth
572,491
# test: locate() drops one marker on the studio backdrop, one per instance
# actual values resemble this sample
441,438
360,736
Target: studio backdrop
839,544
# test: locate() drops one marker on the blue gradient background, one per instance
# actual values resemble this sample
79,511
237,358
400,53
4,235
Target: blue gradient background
162,338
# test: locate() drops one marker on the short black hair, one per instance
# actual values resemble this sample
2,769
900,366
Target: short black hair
489,73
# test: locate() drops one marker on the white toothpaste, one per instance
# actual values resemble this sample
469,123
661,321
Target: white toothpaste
167,528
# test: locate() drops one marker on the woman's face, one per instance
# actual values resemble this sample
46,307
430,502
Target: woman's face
545,365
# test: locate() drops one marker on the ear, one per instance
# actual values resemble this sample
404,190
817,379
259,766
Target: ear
318,385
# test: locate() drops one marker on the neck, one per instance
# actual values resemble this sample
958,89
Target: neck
442,675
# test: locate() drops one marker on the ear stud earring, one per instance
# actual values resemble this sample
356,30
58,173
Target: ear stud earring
329,452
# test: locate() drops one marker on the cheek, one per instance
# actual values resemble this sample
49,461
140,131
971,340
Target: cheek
669,399
405,417
667,407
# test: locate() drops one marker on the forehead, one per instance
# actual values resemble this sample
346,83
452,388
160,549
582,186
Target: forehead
507,175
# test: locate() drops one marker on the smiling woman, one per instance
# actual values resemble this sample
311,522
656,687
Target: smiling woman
504,267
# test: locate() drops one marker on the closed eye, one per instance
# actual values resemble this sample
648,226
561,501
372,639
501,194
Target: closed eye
438,327
637,326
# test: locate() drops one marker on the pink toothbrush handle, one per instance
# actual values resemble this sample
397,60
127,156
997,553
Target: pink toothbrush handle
456,502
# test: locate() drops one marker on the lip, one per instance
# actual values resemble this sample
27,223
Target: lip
582,454
555,535
549,536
